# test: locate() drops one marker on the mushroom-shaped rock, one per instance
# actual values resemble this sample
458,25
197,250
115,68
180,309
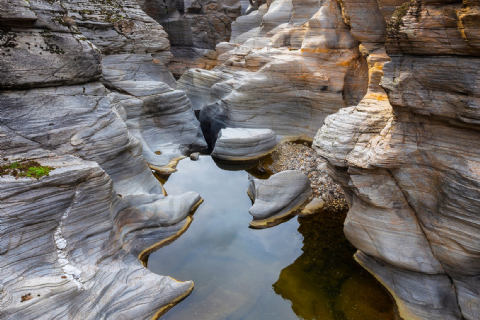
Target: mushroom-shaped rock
240,144
277,197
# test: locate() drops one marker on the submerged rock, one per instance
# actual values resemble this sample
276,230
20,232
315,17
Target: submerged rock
277,197
195,156
237,144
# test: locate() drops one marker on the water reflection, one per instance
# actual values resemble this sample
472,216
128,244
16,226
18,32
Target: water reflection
324,283
233,267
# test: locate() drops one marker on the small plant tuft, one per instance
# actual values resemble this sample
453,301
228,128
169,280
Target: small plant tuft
29,168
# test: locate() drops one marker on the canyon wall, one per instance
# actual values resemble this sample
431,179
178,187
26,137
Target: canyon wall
395,85
287,66
407,155
85,90
194,28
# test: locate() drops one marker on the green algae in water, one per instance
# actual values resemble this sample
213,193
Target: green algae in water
301,269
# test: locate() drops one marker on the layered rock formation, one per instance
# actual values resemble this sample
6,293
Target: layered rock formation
194,28
70,241
288,65
135,53
406,155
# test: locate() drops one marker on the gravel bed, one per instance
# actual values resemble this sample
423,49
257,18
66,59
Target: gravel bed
297,156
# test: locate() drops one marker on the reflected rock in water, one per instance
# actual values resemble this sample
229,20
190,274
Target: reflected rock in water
418,295
323,283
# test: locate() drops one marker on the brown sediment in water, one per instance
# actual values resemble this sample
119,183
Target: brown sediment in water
143,256
277,219
172,304
324,282
400,307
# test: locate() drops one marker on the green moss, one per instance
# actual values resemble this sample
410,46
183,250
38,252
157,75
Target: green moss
31,169
396,20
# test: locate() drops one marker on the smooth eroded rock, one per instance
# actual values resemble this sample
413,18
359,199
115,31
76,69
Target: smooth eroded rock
277,197
237,144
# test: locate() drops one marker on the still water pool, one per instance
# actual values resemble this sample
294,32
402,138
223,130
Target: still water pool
301,269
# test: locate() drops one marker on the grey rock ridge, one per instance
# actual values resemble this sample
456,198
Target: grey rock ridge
71,241
277,197
407,154
238,144
135,51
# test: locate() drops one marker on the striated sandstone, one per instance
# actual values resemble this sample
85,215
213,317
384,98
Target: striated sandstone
80,269
134,63
296,64
86,237
406,158
194,29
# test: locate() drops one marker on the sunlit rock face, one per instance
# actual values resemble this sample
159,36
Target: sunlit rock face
407,155
194,28
70,242
288,65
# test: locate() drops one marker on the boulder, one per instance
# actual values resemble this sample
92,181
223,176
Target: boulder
239,144
277,197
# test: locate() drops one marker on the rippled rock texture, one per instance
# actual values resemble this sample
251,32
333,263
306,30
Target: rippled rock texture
407,156
135,52
62,245
71,241
287,66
